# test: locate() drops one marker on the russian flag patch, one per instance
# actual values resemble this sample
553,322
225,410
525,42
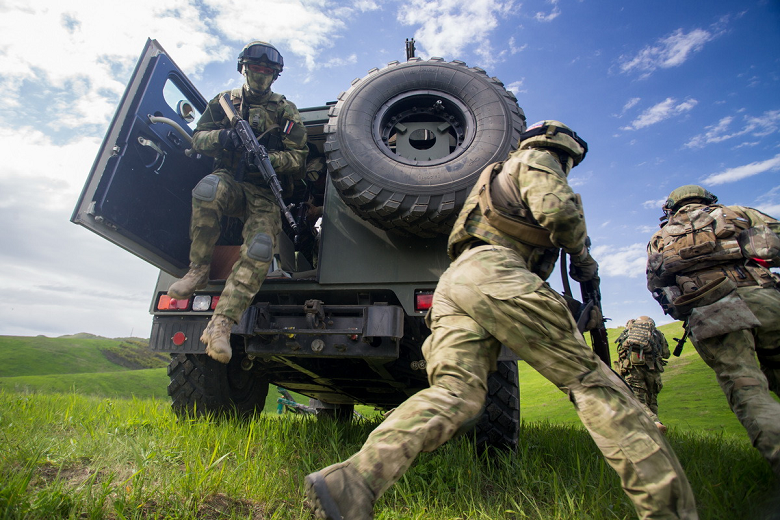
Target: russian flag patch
288,126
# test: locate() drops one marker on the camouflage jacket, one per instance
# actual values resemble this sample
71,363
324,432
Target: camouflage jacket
285,142
546,193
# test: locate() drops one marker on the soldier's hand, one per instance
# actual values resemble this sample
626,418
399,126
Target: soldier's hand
595,320
229,140
583,268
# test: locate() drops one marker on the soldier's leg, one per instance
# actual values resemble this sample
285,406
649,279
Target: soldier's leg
262,223
215,195
534,321
732,357
635,378
459,354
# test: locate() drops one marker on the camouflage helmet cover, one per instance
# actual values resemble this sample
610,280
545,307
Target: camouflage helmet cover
646,319
258,50
689,191
554,134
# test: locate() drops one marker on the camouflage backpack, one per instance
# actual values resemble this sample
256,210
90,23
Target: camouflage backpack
639,337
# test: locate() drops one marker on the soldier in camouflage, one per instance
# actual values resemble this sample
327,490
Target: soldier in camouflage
234,189
642,354
709,266
504,245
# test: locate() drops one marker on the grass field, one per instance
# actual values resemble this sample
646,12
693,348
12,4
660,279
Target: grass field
106,445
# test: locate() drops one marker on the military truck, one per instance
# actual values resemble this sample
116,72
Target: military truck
340,317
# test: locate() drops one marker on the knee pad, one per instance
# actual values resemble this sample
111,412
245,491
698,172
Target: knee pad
206,189
261,248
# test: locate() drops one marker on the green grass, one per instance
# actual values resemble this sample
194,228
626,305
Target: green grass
119,459
101,442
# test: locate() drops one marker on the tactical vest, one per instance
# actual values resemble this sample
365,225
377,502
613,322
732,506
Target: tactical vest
503,207
261,118
698,237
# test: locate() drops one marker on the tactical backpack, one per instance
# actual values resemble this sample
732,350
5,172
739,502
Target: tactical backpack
700,236
640,337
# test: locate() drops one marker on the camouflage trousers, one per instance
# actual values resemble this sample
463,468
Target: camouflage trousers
645,383
257,209
746,383
488,297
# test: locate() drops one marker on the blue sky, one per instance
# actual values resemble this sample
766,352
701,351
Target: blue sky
666,93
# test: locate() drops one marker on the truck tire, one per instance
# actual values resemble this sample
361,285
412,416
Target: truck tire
200,386
406,143
499,425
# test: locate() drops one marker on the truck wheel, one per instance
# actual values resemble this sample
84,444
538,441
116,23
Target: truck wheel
499,425
406,143
199,386
338,412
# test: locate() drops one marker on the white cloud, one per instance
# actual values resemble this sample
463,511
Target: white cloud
552,15
669,51
305,27
742,172
763,125
660,112
653,204
70,29
627,261
448,26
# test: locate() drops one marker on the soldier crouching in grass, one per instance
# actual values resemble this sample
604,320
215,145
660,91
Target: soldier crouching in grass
504,245
709,266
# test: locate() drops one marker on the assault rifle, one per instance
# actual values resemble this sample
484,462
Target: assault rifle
258,155
591,297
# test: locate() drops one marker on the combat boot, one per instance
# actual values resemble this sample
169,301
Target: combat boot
196,278
217,338
338,492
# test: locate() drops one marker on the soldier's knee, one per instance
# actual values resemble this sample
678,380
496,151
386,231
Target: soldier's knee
206,189
261,248
471,396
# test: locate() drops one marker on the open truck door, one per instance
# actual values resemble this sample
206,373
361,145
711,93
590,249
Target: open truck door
138,193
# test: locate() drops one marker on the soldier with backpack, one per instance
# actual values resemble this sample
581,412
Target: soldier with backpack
709,266
642,354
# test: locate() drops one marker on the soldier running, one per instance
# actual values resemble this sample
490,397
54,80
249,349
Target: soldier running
504,245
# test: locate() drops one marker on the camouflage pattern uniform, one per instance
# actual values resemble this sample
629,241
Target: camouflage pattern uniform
494,293
641,365
250,200
728,327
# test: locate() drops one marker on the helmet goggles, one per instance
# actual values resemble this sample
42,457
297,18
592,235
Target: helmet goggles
260,52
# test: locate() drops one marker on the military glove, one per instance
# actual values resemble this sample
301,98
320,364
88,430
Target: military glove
595,320
583,267
229,140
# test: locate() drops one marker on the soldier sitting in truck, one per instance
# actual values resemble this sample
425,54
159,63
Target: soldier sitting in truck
233,189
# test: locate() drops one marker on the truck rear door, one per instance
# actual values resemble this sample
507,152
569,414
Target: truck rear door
138,193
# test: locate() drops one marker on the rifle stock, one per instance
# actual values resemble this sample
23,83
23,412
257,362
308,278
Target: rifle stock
591,297
258,155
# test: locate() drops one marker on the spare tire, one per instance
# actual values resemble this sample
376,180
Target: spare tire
406,143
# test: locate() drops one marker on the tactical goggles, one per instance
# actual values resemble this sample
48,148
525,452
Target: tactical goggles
259,51
261,69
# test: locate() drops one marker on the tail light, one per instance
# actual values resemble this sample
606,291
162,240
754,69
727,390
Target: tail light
423,299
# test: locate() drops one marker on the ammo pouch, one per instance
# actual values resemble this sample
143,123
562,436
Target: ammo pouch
759,242
728,314
637,357
501,204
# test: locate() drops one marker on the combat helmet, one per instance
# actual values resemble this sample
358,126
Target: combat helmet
258,50
647,319
687,192
554,134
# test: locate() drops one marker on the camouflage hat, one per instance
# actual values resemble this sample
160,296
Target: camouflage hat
259,50
687,192
554,134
